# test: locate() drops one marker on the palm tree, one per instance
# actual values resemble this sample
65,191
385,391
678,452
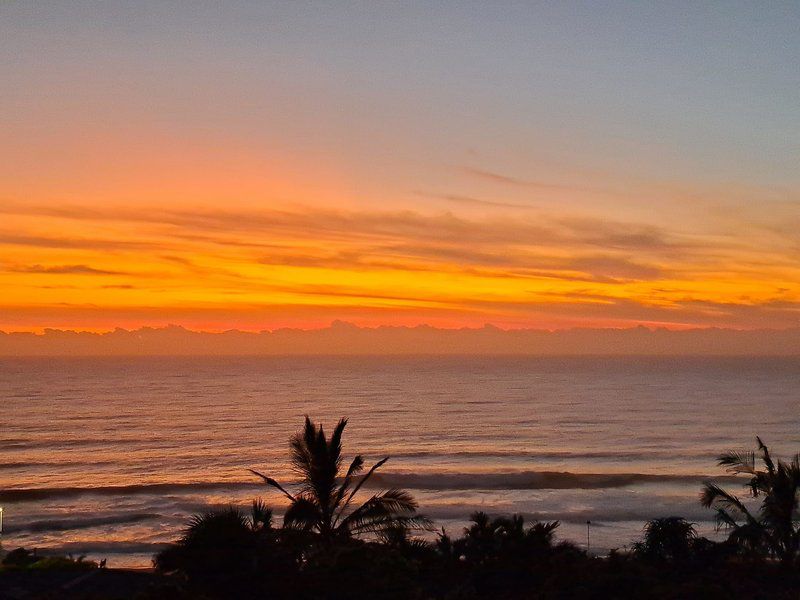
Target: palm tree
218,541
489,539
667,538
538,535
775,528
324,501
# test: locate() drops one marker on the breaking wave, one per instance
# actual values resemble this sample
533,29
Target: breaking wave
101,547
517,480
80,523
27,494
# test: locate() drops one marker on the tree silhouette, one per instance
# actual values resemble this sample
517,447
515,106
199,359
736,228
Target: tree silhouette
324,502
502,538
667,538
774,528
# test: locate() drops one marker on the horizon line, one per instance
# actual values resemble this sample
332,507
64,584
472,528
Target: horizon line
341,324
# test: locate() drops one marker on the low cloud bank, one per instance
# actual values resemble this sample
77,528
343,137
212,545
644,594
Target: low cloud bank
347,339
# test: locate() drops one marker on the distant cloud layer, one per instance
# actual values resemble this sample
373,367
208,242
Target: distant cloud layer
257,267
347,339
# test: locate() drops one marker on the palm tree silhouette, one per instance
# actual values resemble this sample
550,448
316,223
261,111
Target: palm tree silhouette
219,544
491,539
667,538
324,502
776,526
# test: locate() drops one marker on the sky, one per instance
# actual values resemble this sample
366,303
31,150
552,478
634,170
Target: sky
263,165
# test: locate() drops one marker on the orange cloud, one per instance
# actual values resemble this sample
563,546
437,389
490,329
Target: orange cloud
99,267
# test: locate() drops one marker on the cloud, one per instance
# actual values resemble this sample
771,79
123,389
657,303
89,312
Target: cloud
277,231
37,241
458,259
65,270
513,181
406,239
614,268
470,201
591,307
523,267
345,338
507,180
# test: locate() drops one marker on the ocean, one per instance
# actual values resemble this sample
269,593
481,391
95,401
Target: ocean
108,457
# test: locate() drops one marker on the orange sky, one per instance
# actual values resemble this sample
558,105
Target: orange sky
240,175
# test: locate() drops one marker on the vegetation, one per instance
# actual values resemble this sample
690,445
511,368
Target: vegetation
323,504
221,549
667,538
23,559
329,546
775,529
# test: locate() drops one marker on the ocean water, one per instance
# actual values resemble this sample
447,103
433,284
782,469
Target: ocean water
108,457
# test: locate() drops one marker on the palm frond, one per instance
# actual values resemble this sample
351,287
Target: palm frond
765,456
381,510
725,519
363,480
544,528
336,441
352,471
302,445
738,461
261,515
410,523
226,522
317,462
303,513
714,494
390,502
273,483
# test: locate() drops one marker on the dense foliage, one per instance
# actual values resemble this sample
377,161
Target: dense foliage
775,529
23,559
493,558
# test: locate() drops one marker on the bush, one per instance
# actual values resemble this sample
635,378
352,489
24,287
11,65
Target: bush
19,558
22,558
63,563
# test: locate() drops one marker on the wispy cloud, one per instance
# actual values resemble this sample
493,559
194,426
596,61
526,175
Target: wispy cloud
470,201
350,226
531,184
65,270
425,265
499,178
62,242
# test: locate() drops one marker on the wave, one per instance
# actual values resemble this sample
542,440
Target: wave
546,454
28,464
599,518
80,523
624,512
530,480
516,480
67,443
95,547
28,494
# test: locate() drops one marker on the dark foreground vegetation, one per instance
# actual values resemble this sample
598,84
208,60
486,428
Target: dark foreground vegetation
330,545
